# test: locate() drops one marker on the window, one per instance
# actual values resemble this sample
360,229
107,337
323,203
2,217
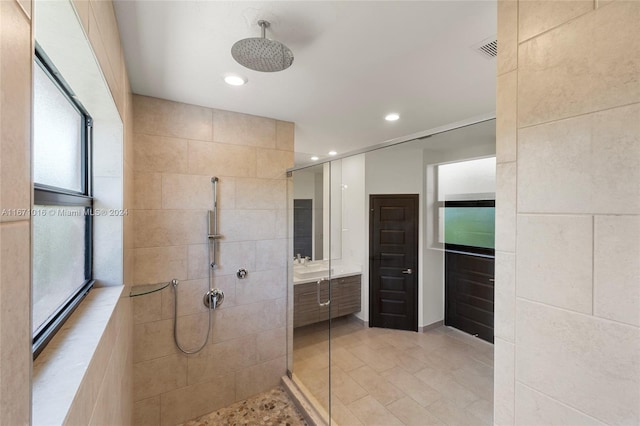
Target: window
62,211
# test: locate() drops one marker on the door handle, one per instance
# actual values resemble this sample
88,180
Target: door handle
408,271
322,304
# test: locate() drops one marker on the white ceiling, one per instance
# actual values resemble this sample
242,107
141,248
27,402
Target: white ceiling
355,61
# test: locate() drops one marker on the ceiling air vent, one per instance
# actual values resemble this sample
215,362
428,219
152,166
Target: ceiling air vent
488,48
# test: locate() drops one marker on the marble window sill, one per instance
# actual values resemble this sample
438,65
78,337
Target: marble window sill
60,369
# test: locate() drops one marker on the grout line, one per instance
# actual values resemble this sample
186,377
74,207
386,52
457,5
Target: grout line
558,401
593,265
575,18
556,120
598,318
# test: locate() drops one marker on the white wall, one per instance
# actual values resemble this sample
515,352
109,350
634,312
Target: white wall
396,170
354,231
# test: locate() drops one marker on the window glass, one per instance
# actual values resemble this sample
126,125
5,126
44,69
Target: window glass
470,226
58,258
57,136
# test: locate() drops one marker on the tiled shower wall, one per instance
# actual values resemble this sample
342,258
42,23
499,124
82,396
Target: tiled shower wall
15,193
177,149
568,206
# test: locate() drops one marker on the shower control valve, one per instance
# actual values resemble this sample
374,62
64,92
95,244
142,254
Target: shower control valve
213,298
242,273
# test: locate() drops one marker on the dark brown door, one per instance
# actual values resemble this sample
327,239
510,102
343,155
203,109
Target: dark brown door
393,261
469,293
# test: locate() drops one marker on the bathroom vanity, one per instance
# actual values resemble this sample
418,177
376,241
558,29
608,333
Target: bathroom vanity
345,299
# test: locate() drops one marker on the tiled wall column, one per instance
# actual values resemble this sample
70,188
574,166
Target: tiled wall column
568,213
15,197
177,149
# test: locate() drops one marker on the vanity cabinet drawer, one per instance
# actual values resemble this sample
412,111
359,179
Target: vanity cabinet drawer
345,300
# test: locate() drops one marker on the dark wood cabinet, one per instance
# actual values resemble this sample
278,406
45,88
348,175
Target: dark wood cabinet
345,300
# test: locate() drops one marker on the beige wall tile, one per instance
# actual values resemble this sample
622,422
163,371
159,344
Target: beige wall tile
245,225
147,412
506,116
616,55
587,65
617,268
615,148
271,254
285,135
259,378
554,261
158,228
82,9
155,116
213,159
507,36
106,20
157,376
15,102
505,296
192,330
235,255
534,408
535,17
159,264
159,154
262,285
574,165
243,129
147,190
186,192
506,184
198,261
147,308
26,5
15,313
260,194
582,361
504,382
190,294
222,358
271,344
189,402
554,165
196,192
244,320
152,340
273,164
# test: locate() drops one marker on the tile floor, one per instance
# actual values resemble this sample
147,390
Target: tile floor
391,377
270,408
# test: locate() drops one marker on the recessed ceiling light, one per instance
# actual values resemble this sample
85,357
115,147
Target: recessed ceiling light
235,80
314,158
392,117
332,153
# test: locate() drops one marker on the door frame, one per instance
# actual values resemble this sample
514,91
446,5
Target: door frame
416,212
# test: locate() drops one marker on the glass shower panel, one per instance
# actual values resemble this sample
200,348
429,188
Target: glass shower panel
309,287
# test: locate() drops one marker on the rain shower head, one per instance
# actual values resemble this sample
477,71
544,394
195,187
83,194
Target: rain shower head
262,54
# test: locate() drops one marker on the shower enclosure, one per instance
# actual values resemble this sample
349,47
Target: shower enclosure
329,219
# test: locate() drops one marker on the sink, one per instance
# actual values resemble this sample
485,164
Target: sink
313,271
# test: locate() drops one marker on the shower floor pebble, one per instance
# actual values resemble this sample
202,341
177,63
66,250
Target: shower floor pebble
269,408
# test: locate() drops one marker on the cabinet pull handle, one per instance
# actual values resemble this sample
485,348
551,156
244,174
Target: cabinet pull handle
321,304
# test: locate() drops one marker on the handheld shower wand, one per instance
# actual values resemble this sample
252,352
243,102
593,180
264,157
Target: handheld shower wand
213,297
